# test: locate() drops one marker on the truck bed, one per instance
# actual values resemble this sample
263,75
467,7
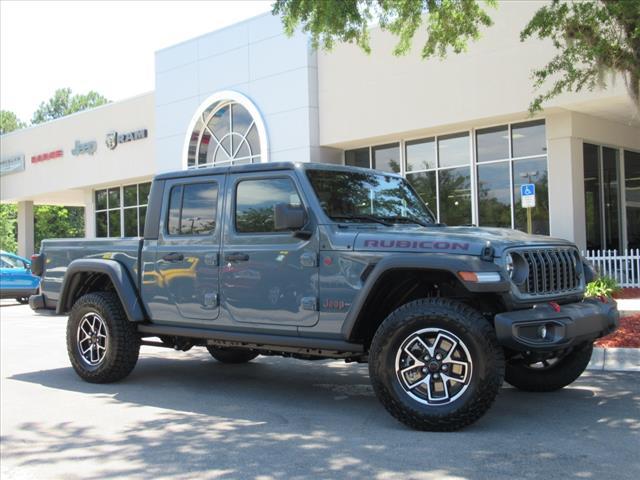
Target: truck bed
60,253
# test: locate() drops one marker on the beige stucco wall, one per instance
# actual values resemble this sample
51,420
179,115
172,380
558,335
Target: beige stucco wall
68,180
379,96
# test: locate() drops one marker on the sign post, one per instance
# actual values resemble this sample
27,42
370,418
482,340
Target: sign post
528,198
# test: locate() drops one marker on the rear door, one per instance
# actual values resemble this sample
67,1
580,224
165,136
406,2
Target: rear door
184,284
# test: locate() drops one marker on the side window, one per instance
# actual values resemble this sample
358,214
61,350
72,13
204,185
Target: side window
255,200
192,209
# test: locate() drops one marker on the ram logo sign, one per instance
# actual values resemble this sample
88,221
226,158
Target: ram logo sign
114,138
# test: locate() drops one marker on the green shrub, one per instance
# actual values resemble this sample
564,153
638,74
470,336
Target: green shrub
602,287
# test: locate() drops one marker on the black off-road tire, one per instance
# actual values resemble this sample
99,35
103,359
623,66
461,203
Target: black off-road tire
558,375
123,342
231,355
472,329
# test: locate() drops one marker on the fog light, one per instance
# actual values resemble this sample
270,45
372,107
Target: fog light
542,332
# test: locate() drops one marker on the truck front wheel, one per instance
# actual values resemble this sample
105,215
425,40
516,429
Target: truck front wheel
102,344
435,364
551,374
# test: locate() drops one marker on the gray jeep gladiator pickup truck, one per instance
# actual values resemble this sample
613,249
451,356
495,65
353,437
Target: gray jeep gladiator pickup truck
319,261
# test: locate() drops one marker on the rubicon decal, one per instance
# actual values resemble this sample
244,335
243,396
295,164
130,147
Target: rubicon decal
46,156
416,244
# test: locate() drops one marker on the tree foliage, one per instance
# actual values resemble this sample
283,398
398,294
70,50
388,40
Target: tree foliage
64,102
9,122
54,221
50,221
450,24
592,37
8,220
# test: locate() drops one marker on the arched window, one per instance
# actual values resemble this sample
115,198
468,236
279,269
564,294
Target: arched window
225,132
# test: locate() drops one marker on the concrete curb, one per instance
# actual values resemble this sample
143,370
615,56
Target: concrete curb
615,359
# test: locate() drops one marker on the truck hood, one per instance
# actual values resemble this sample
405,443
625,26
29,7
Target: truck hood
459,240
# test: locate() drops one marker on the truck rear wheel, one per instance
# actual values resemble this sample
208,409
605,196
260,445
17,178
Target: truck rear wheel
435,364
231,355
102,344
551,374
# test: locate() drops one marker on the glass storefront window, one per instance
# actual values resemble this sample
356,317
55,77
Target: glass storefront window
532,171
455,196
592,196
632,197
357,158
528,139
494,195
425,185
116,218
611,197
453,150
492,143
386,157
463,185
420,154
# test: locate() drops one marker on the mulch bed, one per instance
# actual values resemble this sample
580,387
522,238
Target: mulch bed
628,293
627,335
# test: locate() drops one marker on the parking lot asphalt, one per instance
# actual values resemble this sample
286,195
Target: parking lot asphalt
183,415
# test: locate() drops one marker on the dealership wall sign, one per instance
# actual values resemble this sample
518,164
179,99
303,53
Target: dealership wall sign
12,164
114,138
42,157
84,147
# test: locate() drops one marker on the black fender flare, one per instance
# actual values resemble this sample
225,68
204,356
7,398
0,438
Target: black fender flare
120,278
428,262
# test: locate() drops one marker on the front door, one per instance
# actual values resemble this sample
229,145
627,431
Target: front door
186,275
267,276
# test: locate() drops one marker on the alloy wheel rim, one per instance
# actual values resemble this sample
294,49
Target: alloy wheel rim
434,366
92,339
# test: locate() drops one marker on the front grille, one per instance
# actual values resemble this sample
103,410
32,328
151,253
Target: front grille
552,271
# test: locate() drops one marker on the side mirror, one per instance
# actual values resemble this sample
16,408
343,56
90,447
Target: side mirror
288,217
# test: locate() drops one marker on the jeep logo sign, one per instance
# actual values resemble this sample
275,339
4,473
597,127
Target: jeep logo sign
114,138
84,147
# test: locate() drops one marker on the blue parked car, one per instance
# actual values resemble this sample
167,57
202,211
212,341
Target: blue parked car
16,279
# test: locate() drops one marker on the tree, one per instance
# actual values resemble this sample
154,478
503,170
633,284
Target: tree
592,37
64,103
8,220
53,221
9,122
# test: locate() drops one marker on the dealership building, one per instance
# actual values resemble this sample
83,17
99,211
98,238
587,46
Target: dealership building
457,129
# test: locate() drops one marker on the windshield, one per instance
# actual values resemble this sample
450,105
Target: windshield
368,197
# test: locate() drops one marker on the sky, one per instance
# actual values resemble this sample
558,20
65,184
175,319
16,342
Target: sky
106,46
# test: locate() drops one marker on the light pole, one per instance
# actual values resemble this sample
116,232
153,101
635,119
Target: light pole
529,176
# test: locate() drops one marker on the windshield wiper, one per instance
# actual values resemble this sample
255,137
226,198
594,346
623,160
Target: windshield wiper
402,218
367,218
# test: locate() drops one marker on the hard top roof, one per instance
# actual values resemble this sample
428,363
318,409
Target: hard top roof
263,167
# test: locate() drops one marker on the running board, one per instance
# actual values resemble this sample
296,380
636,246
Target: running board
251,338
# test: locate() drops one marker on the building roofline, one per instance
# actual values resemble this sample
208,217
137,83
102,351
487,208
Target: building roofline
226,27
81,112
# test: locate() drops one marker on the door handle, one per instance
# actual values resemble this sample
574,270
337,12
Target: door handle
236,257
173,257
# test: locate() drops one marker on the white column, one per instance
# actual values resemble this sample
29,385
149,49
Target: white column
25,229
566,180
89,214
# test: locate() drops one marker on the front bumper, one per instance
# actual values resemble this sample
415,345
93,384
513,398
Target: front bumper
542,328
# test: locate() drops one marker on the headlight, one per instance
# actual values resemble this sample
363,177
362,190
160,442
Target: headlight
517,267
508,262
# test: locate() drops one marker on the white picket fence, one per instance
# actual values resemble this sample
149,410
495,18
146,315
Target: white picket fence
624,267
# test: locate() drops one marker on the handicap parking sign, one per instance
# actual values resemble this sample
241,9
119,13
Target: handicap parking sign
528,195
